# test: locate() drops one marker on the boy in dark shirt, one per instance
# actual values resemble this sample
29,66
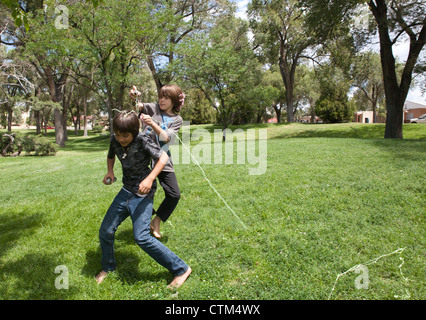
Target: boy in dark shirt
135,150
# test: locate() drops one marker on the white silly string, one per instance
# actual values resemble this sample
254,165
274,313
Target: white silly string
211,185
399,251
208,180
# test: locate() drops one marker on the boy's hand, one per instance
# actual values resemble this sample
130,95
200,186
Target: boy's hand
110,176
145,185
134,93
147,119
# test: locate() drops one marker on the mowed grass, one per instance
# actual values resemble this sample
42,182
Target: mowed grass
332,197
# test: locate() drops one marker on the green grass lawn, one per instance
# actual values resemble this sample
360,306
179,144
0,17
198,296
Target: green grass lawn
332,197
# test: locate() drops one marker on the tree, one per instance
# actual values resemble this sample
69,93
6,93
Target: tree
226,72
367,75
112,38
42,106
197,109
394,19
272,78
45,47
262,96
20,10
181,19
282,39
14,83
308,88
333,105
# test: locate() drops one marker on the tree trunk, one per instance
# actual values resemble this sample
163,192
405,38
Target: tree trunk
278,113
56,92
85,114
37,113
288,71
312,110
59,128
285,74
10,136
154,73
394,119
9,116
64,117
395,94
392,93
37,121
375,111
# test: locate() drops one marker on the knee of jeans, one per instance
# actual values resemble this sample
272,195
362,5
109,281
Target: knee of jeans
107,234
144,238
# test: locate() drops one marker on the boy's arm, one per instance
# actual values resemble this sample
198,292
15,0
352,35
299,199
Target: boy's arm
110,166
161,133
146,184
164,135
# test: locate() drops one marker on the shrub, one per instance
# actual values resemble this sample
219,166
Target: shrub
97,128
39,145
14,148
44,147
28,143
334,111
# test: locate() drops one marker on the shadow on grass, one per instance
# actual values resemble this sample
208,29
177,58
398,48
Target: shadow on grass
407,149
34,278
348,130
127,263
87,144
14,225
329,131
31,276
126,236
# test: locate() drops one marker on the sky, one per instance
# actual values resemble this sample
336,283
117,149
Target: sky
400,51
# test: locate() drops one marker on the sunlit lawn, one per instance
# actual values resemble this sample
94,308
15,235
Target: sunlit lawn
332,197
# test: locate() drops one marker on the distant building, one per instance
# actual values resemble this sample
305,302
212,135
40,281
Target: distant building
413,110
307,119
364,117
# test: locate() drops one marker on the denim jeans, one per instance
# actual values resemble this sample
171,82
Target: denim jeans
140,211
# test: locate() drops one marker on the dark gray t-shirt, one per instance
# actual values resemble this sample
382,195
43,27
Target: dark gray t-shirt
171,123
135,160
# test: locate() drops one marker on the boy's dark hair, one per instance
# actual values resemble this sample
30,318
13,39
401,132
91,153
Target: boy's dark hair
126,122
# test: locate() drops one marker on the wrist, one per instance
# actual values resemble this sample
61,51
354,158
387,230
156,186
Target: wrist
150,178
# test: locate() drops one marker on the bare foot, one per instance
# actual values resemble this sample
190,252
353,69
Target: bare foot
155,227
179,280
101,277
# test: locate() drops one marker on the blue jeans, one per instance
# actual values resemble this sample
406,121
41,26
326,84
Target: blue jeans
140,210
